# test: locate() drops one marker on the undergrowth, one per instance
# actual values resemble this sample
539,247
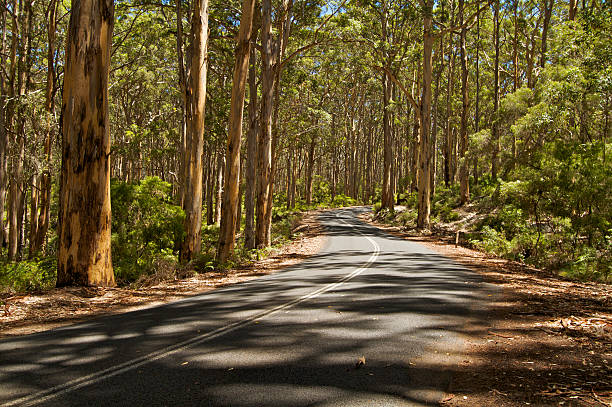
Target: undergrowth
511,223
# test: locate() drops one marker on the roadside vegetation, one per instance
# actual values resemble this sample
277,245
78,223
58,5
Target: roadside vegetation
146,235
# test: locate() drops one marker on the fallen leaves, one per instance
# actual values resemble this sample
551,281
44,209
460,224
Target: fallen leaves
598,327
360,362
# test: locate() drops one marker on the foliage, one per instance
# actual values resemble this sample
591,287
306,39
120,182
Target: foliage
342,200
147,227
28,275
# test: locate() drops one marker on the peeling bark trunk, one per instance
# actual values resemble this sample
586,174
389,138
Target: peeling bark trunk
424,198
84,256
251,161
387,196
196,100
310,168
264,145
434,134
464,174
495,126
37,244
3,126
219,185
17,185
183,101
448,165
8,125
477,107
227,234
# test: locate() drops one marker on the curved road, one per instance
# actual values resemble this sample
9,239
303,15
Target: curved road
289,339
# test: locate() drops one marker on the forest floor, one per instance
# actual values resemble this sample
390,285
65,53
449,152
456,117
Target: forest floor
547,340
35,312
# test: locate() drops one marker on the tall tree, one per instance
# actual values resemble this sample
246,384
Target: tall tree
495,125
229,209
45,179
17,184
84,256
194,143
464,178
387,195
4,140
424,185
264,144
548,8
251,160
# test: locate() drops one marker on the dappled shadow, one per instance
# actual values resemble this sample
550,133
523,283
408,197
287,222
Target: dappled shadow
406,313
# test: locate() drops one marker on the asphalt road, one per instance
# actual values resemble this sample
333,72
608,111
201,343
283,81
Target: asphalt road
289,339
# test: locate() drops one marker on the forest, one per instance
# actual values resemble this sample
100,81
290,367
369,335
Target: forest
139,134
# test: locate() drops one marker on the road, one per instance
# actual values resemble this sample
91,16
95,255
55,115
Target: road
289,339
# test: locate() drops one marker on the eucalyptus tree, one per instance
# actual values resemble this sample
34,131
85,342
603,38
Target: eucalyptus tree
232,178
84,256
195,100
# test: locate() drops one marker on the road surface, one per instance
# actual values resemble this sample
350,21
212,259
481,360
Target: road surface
294,338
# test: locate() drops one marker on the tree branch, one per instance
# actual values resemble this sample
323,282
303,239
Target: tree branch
394,79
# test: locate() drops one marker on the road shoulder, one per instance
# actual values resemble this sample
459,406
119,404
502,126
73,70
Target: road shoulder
36,312
547,341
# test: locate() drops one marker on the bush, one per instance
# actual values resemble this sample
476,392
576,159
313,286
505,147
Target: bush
342,201
147,227
28,275
494,242
408,218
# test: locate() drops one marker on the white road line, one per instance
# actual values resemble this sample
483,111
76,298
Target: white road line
48,394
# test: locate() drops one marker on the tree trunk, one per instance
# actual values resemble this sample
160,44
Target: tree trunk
183,100
548,7
310,168
219,186
210,190
4,124
424,198
387,196
464,174
17,186
573,9
448,176
227,234
477,107
196,100
45,180
251,161
84,256
264,147
495,126
434,135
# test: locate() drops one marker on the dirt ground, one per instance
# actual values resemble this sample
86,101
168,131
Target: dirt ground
25,314
548,341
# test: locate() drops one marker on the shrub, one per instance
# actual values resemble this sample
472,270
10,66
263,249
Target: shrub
28,275
342,201
407,218
147,227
